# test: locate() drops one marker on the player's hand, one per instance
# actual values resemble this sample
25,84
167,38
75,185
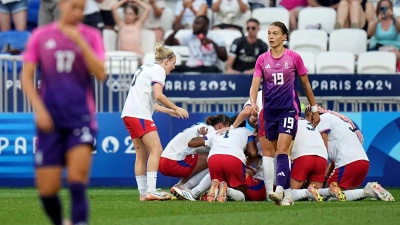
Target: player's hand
255,109
173,113
202,131
222,130
72,33
182,113
44,121
315,119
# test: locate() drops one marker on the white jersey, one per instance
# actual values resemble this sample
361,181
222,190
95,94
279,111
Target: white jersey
177,149
308,141
231,142
259,101
343,144
140,100
259,173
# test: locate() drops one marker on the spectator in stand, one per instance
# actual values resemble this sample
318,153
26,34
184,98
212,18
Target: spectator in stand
206,47
354,14
228,12
154,22
245,51
294,7
92,14
18,10
254,4
187,10
48,12
324,3
130,29
385,29
106,14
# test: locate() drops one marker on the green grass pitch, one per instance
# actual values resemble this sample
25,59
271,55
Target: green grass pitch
122,207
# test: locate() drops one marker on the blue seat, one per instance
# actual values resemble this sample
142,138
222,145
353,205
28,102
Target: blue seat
16,39
33,13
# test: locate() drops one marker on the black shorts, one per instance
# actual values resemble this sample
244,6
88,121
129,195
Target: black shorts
108,18
94,20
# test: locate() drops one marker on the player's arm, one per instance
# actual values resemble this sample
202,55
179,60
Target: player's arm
162,109
255,85
197,142
158,94
245,113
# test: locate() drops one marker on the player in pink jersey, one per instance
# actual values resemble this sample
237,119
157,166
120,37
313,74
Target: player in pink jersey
68,53
279,67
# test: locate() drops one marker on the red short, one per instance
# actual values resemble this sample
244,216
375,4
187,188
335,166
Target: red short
138,127
180,169
309,167
261,124
255,189
351,175
227,168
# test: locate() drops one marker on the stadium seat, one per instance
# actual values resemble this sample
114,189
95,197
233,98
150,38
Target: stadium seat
377,63
167,19
309,61
33,14
149,58
335,63
314,41
242,20
228,35
351,40
396,11
109,40
16,39
169,32
121,62
268,15
148,40
263,35
312,16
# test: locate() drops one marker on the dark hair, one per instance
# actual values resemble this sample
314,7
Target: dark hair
214,120
133,7
233,119
283,28
204,18
254,21
378,6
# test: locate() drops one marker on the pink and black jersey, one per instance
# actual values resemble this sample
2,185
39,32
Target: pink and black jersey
66,83
279,74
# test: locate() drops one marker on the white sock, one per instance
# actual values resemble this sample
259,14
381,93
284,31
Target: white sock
151,181
269,173
356,194
142,184
203,186
299,194
235,195
325,193
195,180
288,192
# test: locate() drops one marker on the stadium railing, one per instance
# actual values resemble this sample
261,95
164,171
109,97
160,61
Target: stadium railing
110,96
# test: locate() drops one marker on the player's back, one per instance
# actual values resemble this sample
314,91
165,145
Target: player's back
140,100
308,141
66,82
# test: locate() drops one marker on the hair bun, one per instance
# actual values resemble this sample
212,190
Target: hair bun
159,47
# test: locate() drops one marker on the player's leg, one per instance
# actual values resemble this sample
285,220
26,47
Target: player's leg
333,189
215,167
78,161
234,187
200,164
48,162
140,167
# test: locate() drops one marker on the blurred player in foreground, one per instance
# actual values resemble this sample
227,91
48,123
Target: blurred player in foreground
68,52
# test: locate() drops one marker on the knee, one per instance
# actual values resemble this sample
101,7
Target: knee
77,176
355,4
282,149
48,190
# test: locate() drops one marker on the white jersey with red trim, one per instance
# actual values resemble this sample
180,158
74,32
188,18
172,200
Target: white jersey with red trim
230,142
177,149
308,141
344,147
140,100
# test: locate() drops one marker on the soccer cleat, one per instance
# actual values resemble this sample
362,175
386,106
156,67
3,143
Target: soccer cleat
223,187
335,191
157,196
314,192
375,190
142,198
213,192
287,200
185,193
276,196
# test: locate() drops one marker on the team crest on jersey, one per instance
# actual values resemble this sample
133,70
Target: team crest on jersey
50,44
286,64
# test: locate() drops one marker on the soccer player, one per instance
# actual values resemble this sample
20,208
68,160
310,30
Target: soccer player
310,160
278,67
68,53
226,161
349,162
147,87
179,160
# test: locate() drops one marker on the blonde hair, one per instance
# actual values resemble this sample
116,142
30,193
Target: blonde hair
344,118
163,53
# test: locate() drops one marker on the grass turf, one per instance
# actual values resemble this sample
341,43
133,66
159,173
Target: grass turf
121,206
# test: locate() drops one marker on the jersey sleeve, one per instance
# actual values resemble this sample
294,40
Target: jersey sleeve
208,139
183,37
251,138
248,103
258,70
158,77
31,53
97,45
324,125
299,65
234,47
